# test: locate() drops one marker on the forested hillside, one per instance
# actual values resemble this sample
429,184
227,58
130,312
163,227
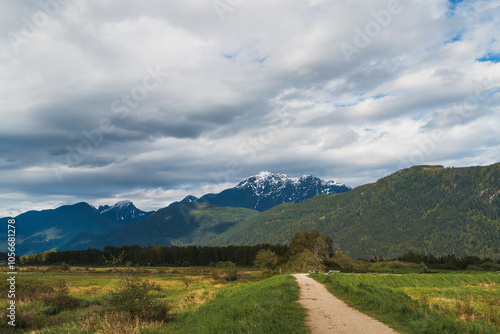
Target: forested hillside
427,209
194,223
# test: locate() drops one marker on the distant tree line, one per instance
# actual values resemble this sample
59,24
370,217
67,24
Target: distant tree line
451,262
446,262
157,255
308,251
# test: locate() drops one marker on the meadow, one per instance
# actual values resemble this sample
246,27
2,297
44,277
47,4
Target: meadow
63,299
198,299
444,302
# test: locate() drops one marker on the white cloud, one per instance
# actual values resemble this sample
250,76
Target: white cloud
267,88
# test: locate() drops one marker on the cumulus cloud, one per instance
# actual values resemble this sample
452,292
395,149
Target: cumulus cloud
152,101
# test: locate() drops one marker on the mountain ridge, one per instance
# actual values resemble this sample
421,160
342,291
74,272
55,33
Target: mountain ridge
42,230
123,212
426,209
38,231
265,190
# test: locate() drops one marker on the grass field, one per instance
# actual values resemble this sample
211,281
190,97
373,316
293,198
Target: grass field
200,300
80,302
423,303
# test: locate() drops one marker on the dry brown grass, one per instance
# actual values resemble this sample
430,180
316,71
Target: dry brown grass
115,323
481,284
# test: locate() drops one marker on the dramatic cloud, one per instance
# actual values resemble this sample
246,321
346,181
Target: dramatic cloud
151,101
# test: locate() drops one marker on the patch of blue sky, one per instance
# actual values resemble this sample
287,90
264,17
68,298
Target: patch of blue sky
452,6
360,98
370,130
491,57
379,96
261,60
229,56
456,38
489,93
344,105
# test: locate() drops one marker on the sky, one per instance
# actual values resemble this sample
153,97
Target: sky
151,101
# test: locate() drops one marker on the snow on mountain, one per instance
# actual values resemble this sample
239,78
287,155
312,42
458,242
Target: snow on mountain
267,183
189,199
123,212
266,189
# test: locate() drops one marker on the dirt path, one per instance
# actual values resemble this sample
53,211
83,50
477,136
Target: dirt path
328,314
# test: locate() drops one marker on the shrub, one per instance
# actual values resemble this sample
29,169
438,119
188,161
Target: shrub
266,259
343,262
225,271
187,281
59,297
135,299
305,262
61,267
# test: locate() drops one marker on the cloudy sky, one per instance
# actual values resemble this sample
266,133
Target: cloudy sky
154,100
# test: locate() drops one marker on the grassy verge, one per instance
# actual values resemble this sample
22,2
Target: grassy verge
418,303
78,301
86,307
269,306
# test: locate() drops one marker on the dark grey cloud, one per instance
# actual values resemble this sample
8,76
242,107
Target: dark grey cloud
151,101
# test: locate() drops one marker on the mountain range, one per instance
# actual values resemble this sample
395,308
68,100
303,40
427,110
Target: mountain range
69,226
265,190
425,209
38,231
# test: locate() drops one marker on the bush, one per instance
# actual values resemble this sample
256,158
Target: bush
135,299
225,271
187,281
341,261
62,267
305,262
59,298
266,259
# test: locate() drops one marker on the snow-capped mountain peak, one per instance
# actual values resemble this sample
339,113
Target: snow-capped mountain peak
269,189
266,190
279,180
123,204
264,179
122,212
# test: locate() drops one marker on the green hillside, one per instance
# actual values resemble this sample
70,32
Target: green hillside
427,209
195,223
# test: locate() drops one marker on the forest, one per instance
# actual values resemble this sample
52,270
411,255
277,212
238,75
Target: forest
157,255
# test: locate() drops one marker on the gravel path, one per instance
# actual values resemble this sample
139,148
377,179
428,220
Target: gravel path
328,314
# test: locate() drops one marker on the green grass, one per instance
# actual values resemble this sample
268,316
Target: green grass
420,303
269,306
199,304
